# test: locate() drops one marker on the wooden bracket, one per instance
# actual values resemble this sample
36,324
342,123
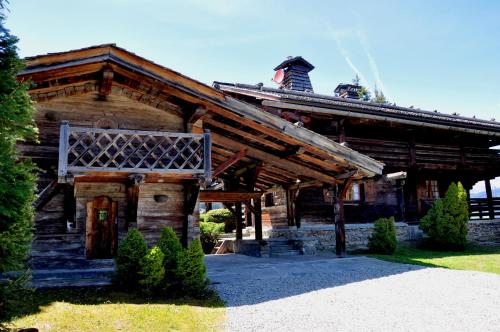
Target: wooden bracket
105,83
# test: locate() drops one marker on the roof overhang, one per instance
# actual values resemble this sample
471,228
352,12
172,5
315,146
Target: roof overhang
242,124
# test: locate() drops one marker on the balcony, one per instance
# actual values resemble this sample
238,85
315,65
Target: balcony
92,150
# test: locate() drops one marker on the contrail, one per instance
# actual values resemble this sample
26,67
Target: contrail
346,56
371,60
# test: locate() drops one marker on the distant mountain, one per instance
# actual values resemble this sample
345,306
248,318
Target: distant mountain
482,194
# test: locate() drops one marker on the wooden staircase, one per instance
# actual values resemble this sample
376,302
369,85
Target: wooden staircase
222,247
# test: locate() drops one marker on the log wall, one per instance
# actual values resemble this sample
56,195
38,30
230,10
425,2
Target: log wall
161,205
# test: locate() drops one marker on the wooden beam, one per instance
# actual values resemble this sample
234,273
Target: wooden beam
52,189
229,162
106,82
245,134
228,196
269,158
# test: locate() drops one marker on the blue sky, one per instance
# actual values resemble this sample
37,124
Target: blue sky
440,55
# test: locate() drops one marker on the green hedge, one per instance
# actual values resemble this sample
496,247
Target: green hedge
446,222
383,239
210,233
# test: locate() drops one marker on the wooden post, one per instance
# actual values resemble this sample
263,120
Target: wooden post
239,224
62,169
489,199
191,192
338,217
248,214
207,156
258,218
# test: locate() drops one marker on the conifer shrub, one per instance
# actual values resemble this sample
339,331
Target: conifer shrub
383,239
191,270
129,257
152,270
209,235
223,216
170,245
446,222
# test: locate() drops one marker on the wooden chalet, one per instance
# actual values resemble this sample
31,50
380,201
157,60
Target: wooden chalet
423,151
126,143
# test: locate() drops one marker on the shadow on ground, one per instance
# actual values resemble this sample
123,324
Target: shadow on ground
28,302
243,280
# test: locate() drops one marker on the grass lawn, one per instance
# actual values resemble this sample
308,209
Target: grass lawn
107,310
477,258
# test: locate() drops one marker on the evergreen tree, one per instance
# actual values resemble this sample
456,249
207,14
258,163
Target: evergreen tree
364,94
379,97
17,183
446,221
17,180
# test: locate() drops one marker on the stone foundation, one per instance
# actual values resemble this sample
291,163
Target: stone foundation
317,238
484,231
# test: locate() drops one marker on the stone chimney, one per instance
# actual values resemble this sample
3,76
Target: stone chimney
296,77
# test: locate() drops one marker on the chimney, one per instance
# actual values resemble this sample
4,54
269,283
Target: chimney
296,75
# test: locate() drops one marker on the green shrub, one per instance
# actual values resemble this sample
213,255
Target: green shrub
383,239
129,257
446,221
152,270
220,216
191,270
209,235
171,247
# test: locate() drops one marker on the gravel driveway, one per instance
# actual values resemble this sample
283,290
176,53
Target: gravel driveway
352,294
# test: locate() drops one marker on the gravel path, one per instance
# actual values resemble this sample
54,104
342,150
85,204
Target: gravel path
352,294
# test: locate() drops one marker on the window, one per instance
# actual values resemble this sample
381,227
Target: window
432,189
269,199
354,194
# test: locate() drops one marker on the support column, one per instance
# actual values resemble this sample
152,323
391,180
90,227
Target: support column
248,214
489,199
338,216
258,218
239,223
191,191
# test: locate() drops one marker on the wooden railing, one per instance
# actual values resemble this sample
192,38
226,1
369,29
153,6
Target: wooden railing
480,209
83,150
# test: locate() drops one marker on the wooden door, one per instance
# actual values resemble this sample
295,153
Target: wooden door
101,228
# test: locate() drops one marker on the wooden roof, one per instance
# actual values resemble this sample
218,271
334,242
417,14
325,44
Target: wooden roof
325,104
283,152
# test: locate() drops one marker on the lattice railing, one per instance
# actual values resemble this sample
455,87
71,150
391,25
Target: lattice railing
83,150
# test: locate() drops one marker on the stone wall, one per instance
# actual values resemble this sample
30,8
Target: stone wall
317,238
484,231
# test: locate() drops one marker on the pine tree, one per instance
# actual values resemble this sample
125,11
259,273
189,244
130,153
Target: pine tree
379,97
17,183
446,221
17,180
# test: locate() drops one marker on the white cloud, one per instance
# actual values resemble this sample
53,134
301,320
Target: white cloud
479,187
